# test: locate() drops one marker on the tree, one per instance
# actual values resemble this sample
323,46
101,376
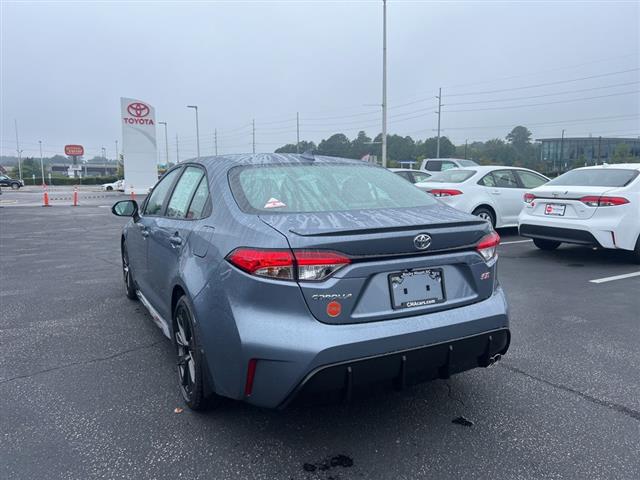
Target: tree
361,145
429,148
337,145
291,147
622,154
519,137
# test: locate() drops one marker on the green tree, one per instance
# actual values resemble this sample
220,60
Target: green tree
519,137
291,147
622,154
361,145
337,145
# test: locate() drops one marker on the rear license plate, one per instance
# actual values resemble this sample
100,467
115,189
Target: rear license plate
554,209
416,288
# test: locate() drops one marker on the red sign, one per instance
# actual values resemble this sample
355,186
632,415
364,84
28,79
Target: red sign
74,150
137,109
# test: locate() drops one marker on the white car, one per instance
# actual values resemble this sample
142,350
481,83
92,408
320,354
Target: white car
493,193
442,164
596,206
414,176
117,186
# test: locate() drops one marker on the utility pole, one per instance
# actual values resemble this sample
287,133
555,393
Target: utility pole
599,142
41,162
166,143
561,148
104,160
117,153
177,150
195,107
297,132
253,134
18,150
215,140
384,83
439,97
465,148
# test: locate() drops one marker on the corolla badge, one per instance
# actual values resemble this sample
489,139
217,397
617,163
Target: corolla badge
422,241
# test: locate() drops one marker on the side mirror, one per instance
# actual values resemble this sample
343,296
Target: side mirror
125,208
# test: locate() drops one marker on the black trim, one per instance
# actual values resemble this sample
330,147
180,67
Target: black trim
344,380
566,235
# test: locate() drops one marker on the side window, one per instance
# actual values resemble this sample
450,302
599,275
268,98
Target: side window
505,179
199,204
434,166
404,175
185,188
447,166
487,180
531,180
156,201
420,176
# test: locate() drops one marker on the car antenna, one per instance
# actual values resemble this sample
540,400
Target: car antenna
308,155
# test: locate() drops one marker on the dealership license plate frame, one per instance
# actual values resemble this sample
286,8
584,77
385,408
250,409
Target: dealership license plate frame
413,281
555,209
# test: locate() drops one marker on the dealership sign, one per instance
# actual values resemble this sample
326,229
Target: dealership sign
138,145
74,150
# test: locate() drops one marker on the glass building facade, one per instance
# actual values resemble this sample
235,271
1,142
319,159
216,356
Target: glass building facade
567,152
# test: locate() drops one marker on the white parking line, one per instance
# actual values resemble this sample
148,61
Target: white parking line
617,277
516,241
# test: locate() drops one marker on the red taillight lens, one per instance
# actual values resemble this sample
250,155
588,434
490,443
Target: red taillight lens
594,201
488,246
529,197
284,265
444,192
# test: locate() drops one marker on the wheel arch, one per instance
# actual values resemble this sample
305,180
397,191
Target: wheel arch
490,208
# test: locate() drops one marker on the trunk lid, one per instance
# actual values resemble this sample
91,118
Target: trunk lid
567,198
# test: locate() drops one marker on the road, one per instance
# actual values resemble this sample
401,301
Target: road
88,384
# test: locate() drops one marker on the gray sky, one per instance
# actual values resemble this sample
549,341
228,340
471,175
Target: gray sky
65,65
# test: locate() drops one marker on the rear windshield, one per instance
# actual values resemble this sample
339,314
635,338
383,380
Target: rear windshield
452,176
600,177
467,163
321,188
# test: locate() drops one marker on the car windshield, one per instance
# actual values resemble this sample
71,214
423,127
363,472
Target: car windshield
596,177
452,176
321,188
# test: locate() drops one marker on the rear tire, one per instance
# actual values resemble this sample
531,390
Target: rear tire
192,378
546,244
636,252
109,189
15,186
485,214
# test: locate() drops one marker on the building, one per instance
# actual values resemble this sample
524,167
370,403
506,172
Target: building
567,152
85,169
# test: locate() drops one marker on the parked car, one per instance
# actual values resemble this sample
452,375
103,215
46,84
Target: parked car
284,276
414,176
493,193
14,183
117,186
596,206
442,164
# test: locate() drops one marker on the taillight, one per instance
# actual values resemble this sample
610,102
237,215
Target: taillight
488,246
444,192
529,197
594,201
303,265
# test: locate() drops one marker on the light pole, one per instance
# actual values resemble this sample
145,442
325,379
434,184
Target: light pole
195,107
166,143
384,83
439,113
41,162
104,160
18,150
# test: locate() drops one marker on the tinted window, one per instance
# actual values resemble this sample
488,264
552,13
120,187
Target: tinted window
488,181
453,176
448,165
505,179
420,177
198,207
434,166
404,175
321,188
600,177
183,192
531,180
159,194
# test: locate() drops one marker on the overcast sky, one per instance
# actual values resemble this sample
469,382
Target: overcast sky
65,65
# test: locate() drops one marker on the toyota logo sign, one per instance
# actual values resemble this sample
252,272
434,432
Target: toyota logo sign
137,109
422,241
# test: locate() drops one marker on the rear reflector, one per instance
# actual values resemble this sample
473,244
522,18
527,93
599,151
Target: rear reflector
310,265
603,201
251,374
488,246
444,192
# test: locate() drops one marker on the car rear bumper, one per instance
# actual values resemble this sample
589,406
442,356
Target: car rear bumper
567,235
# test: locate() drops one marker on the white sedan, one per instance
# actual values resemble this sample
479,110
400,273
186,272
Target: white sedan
596,206
493,193
117,185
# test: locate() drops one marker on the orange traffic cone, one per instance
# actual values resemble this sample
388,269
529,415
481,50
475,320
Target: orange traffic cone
133,193
75,196
45,199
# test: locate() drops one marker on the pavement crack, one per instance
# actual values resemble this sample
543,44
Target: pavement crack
450,395
635,414
83,362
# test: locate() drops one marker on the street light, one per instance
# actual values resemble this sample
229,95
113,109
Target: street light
166,143
384,83
195,107
41,162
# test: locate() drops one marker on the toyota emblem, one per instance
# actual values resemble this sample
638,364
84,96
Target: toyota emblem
138,109
422,241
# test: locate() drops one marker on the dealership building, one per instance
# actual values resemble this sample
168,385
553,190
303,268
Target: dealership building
566,151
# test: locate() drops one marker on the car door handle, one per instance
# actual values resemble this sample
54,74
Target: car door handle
175,241
495,192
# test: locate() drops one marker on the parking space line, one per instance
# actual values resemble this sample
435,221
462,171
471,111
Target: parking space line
617,277
516,241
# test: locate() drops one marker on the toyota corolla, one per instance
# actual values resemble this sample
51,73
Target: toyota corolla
286,277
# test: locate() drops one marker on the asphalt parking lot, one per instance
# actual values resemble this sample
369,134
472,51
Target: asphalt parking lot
88,387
